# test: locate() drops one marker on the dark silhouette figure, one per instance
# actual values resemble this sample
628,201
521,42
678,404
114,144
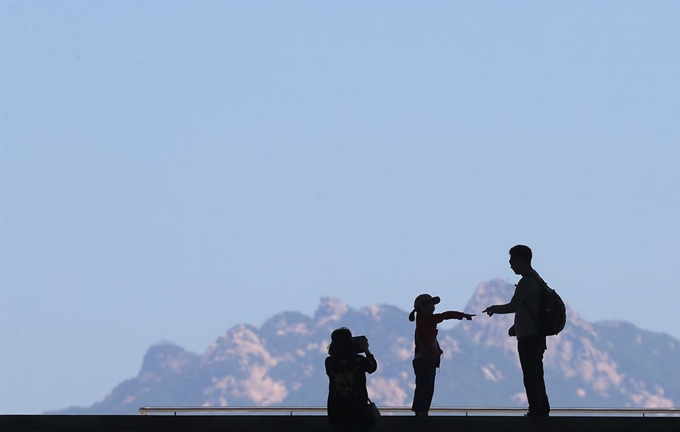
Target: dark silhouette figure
346,369
531,342
427,351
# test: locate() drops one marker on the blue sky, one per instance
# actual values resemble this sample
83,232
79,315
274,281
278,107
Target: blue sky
170,169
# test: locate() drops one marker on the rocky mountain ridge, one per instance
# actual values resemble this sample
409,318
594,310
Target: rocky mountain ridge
605,364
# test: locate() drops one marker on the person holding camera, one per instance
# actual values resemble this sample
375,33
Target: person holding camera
346,369
427,352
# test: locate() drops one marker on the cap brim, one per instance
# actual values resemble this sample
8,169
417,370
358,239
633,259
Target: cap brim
431,300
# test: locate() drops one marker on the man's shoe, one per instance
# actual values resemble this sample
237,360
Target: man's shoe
530,414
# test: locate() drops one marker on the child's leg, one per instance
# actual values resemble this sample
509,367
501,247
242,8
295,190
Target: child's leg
422,398
432,373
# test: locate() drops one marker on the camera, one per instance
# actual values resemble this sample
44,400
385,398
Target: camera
358,343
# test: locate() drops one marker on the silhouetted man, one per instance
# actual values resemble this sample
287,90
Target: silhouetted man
530,341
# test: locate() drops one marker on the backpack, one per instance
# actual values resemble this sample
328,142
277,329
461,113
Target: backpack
552,313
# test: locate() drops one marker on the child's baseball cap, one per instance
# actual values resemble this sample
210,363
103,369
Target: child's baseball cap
423,298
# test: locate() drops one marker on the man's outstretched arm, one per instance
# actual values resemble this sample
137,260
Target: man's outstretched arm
521,293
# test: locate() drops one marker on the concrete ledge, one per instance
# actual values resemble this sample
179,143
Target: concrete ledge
251,423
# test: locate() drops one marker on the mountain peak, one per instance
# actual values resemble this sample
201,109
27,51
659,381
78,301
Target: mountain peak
241,342
330,309
166,357
496,291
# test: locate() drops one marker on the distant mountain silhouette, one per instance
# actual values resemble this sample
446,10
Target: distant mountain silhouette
605,364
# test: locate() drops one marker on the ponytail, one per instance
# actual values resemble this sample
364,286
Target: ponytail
412,315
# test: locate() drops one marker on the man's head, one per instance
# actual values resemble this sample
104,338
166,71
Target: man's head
520,259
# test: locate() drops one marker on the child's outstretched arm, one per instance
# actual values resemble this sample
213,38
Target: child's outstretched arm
453,315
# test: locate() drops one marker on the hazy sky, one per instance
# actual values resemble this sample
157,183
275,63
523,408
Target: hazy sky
171,169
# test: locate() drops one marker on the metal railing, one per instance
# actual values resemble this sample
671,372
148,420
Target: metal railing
406,410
